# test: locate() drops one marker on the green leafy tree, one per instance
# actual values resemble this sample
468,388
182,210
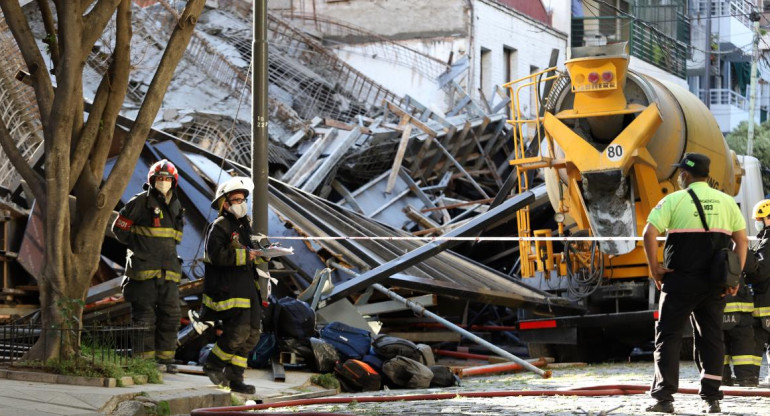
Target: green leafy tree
738,139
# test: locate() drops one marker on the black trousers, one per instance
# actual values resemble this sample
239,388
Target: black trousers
761,340
739,349
705,311
240,333
155,306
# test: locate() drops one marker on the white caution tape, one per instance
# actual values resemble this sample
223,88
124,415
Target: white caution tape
441,238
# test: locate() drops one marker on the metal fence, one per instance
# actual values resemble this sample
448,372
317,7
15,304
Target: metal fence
115,344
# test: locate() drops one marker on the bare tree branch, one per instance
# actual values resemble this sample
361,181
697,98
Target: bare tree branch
119,75
175,49
14,17
96,21
50,30
34,180
90,131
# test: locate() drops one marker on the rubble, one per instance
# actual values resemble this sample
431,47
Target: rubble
358,173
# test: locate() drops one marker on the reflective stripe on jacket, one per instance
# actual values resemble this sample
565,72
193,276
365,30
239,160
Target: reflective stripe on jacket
151,229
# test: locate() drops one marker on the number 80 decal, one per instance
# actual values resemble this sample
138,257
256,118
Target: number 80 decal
614,152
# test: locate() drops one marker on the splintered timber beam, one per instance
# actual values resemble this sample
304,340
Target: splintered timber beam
476,225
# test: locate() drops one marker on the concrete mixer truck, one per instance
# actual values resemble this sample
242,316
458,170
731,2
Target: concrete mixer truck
605,146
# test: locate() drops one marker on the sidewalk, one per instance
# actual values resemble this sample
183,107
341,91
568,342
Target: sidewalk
183,392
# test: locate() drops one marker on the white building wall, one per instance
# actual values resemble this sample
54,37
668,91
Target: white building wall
561,14
496,28
401,79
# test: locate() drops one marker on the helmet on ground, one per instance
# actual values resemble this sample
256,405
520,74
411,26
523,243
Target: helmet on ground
761,209
238,183
163,168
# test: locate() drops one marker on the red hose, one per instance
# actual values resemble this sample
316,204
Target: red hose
498,368
608,390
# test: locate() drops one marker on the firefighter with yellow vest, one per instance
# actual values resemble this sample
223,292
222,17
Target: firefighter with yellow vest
739,339
230,289
151,225
757,272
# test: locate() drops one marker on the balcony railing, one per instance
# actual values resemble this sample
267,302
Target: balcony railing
723,96
645,41
739,9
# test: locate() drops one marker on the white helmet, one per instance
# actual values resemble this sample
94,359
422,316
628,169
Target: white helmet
238,183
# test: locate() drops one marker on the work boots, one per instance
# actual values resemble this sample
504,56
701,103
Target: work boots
234,375
661,406
748,382
167,366
711,406
215,373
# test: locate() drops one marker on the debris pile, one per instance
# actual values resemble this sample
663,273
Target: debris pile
356,173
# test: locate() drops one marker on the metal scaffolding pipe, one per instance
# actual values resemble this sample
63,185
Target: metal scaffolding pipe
421,311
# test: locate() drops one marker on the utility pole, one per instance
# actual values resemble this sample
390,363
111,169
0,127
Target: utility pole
755,17
259,136
707,59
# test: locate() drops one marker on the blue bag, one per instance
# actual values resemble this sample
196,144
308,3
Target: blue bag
260,355
350,342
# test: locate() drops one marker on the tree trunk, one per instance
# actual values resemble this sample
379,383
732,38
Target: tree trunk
76,152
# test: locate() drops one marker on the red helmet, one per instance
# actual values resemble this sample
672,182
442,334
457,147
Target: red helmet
162,168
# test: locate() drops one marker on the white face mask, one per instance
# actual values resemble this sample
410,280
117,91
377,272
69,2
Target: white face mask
239,210
759,225
163,187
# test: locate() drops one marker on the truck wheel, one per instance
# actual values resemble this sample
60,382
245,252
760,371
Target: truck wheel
537,350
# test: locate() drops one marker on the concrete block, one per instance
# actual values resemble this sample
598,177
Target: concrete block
32,376
3,373
140,379
126,381
110,382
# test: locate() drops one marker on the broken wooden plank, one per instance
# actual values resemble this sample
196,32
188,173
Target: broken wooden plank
309,156
331,161
399,154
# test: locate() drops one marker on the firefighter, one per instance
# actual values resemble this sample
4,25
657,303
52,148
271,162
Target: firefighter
230,289
683,279
150,224
757,272
739,339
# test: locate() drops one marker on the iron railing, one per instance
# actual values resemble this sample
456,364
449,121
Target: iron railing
723,96
644,40
114,344
739,9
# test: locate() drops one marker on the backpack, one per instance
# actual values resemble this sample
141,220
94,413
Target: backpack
387,347
260,355
374,361
293,319
443,377
350,342
355,375
405,372
325,356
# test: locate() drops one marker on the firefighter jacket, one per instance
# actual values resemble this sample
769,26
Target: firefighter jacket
757,270
230,278
738,307
151,229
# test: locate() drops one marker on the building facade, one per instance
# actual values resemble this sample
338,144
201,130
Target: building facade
488,42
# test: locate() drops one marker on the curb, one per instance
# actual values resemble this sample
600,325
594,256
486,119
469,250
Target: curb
40,377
